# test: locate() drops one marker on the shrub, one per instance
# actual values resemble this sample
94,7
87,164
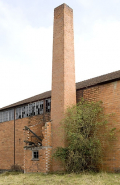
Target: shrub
82,124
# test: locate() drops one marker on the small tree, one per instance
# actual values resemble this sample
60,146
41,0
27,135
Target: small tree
82,124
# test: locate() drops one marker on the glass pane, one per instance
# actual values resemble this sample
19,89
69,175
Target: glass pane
0,117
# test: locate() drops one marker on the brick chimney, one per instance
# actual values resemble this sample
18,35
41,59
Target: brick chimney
63,73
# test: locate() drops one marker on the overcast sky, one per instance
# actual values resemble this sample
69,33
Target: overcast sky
26,36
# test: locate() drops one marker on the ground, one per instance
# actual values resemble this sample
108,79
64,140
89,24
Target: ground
66,179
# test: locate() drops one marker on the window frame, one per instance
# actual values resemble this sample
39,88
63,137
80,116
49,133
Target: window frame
33,155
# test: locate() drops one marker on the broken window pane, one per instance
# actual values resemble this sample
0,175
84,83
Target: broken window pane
48,105
18,113
31,109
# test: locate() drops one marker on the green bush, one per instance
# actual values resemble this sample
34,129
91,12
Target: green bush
82,123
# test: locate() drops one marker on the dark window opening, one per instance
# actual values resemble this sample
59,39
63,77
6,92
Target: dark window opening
48,105
35,155
39,107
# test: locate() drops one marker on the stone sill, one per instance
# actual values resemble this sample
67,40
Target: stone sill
34,159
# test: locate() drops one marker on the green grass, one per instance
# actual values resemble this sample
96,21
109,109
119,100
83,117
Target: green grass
56,179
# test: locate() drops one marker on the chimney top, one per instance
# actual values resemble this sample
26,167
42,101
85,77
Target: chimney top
63,6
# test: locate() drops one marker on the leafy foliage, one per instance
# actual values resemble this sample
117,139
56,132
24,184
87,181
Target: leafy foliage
82,124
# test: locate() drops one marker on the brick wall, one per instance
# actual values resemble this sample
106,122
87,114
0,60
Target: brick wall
109,94
6,144
7,139
43,163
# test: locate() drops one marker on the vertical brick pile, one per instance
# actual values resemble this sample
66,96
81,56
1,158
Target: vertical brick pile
63,73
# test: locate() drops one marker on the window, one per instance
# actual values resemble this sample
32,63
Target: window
11,114
40,107
24,111
48,105
18,113
0,117
5,116
30,109
35,155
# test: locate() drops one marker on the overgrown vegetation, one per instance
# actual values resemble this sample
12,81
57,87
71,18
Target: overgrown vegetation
85,127
67,179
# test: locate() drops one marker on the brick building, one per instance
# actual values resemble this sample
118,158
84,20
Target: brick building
29,129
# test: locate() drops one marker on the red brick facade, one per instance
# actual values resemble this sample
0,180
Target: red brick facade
109,94
43,163
12,149
7,144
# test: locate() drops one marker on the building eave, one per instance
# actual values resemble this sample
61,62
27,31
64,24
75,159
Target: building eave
103,79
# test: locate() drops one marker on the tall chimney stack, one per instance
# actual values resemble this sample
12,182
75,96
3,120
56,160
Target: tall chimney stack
63,73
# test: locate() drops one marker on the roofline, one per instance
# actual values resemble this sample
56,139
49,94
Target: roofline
103,79
32,99
100,80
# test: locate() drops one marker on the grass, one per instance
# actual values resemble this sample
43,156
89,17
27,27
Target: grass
56,179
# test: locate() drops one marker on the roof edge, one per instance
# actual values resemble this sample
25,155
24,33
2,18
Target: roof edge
103,79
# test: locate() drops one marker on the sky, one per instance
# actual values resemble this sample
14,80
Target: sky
26,40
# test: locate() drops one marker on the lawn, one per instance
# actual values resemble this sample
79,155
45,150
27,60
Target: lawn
55,179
